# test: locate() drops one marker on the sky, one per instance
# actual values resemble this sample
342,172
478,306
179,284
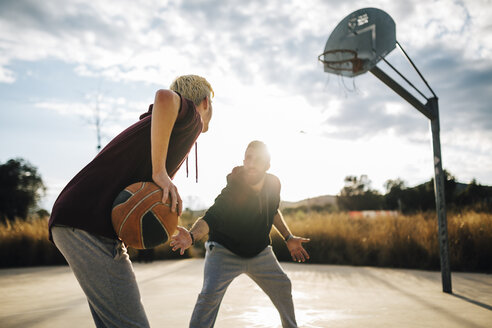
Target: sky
60,61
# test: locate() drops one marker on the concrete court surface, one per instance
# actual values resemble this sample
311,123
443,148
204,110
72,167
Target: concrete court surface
324,296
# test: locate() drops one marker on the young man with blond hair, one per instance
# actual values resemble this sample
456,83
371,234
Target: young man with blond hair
80,225
238,225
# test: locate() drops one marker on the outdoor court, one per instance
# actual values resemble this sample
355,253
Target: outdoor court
324,296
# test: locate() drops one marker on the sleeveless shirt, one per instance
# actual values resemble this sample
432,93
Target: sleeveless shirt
86,202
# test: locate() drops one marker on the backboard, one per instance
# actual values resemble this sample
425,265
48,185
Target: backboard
358,42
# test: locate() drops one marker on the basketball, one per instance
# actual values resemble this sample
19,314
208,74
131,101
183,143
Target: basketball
139,217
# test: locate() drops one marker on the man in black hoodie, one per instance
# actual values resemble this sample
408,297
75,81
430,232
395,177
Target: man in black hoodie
238,225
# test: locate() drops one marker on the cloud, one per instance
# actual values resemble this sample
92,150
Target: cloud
440,45
6,75
262,43
262,55
113,113
463,86
106,38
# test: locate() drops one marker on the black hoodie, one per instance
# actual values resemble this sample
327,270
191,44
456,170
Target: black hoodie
240,218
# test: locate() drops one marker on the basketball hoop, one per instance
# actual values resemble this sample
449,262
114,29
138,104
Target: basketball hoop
355,46
340,60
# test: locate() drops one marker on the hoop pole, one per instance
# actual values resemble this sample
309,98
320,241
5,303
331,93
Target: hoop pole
386,79
431,111
440,198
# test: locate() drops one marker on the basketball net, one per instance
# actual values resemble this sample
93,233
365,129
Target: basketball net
340,60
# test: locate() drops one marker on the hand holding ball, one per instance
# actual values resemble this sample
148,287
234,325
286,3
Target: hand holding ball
139,217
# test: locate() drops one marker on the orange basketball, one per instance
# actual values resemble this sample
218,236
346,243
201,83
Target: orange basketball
139,217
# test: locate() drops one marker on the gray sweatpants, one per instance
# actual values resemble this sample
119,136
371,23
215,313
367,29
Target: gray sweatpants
105,273
222,266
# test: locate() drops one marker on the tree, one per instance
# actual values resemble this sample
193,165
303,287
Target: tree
357,195
394,185
21,187
395,194
355,186
418,198
476,195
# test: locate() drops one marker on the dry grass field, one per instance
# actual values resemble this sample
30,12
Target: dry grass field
402,242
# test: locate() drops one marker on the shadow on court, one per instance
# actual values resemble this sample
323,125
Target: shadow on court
324,296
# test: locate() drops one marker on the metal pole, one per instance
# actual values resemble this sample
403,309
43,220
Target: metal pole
386,79
431,111
440,199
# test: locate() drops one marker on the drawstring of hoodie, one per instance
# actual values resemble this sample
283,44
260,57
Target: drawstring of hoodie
196,163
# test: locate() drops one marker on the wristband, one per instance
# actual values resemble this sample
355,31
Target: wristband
192,238
289,237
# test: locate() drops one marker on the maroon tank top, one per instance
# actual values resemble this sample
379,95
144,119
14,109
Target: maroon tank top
85,203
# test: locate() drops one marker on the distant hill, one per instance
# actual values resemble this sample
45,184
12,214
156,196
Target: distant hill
315,201
482,194
326,201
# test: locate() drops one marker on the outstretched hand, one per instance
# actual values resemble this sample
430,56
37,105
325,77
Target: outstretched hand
297,251
181,240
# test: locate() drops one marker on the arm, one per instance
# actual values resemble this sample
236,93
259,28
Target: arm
294,244
164,114
184,239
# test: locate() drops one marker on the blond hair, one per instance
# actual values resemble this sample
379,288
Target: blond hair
192,87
